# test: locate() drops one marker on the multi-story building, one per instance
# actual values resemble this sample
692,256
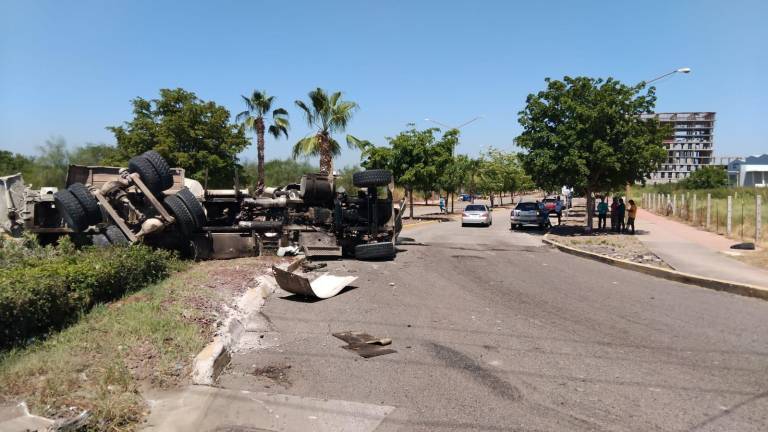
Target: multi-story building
689,146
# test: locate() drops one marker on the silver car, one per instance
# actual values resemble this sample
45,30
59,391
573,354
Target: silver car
476,214
527,213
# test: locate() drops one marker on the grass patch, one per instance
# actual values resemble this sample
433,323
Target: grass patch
144,340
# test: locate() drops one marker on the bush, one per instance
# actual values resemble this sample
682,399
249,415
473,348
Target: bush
45,289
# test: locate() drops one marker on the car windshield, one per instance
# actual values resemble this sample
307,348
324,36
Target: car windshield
475,208
526,206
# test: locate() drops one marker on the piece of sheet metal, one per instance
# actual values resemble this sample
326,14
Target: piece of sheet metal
365,345
325,286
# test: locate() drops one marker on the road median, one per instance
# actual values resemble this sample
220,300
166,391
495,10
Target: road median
673,275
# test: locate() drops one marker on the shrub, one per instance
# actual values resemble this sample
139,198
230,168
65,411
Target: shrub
45,289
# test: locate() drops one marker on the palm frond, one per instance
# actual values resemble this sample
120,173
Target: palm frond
307,113
334,146
275,130
357,143
307,146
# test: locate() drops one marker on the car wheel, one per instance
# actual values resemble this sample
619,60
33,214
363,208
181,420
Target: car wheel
88,201
463,225
71,210
371,178
375,251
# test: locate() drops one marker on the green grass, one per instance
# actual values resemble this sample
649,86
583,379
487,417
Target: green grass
148,338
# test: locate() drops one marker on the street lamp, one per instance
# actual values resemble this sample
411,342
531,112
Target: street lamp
452,127
684,70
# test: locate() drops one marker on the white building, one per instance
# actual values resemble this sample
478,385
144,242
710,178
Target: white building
749,172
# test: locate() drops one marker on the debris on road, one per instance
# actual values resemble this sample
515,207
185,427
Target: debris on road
365,345
324,286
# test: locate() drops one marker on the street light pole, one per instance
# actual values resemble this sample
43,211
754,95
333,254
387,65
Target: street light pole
684,70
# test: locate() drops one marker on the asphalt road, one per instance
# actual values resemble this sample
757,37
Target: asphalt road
494,331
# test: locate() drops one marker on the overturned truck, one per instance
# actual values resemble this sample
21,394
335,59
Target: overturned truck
151,203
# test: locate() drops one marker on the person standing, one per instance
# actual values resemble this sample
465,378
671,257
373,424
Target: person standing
442,205
602,214
614,214
631,214
620,215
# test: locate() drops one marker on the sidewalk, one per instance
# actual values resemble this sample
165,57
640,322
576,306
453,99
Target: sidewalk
694,251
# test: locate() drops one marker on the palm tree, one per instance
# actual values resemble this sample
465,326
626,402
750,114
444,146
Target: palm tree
258,106
328,114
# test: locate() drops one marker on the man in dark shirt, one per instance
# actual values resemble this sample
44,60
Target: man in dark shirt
620,215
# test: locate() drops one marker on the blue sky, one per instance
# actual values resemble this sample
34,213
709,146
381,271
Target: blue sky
71,68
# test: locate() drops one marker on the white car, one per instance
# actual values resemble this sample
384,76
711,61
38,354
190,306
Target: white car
476,214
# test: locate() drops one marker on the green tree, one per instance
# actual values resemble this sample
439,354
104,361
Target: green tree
190,133
410,157
588,133
708,177
92,154
279,172
50,167
327,114
12,163
258,106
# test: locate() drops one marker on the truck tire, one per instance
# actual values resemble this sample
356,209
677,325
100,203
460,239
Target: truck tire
194,206
115,235
88,201
71,210
375,251
162,168
147,172
371,178
184,220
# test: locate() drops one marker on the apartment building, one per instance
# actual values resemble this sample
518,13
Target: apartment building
689,146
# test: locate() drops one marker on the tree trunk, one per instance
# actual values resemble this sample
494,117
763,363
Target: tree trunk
590,210
451,202
326,157
501,198
410,198
260,155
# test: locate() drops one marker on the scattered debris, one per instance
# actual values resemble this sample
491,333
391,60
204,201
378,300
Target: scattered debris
365,345
288,251
276,373
324,286
744,246
310,266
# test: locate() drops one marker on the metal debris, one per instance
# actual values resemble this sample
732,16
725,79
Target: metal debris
365,345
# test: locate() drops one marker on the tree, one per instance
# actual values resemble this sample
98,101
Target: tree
589,133
257,106
190,133
708,177
279,172
410,156
328,114
92,154
455,175
52,164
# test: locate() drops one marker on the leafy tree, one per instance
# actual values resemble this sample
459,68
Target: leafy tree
455,175
258,106
11,163
52,164
92,154
588,133
708,177
345,178
279,172
328,114
189,132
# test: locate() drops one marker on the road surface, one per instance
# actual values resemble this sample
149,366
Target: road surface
496,332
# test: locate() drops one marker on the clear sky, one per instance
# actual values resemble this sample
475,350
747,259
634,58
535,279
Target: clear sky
70,68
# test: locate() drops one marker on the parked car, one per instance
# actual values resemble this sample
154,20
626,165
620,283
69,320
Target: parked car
527,213
465,197
476,214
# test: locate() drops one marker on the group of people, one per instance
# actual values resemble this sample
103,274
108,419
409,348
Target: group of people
619,211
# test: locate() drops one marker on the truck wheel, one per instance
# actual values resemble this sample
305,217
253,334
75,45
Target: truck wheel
193,205
375,251
100,240
88,201
371,178
116,236
184,220
162,168
71,210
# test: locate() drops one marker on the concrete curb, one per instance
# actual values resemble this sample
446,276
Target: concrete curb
241,321
673,275
419,223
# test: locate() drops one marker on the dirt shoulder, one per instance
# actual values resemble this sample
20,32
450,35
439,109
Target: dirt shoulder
146,340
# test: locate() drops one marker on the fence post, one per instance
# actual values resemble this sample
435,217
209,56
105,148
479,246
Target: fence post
729,216
682,208
674,205
709,209
694,209
758,216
